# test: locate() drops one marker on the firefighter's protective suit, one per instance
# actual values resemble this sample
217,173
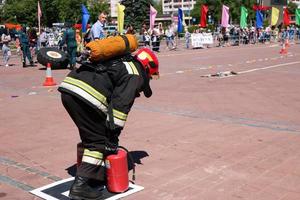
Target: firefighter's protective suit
98,98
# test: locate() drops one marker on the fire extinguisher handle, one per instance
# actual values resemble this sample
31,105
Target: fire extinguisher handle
131,160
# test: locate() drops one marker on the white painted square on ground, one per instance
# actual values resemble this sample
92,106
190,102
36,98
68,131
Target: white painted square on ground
60,190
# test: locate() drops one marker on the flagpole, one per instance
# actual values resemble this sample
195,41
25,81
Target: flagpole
39,17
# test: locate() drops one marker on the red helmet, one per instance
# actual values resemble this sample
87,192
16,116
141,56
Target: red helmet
149,61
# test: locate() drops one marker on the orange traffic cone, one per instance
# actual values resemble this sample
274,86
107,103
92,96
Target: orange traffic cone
49,79
283,49
287,43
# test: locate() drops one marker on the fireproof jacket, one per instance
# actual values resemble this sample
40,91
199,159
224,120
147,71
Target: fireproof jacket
110,87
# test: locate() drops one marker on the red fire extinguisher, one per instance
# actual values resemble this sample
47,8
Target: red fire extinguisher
117,172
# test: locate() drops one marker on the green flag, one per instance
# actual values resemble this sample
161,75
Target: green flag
297,13
244,15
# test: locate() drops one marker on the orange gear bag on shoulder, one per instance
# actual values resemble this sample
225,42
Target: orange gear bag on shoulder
101,50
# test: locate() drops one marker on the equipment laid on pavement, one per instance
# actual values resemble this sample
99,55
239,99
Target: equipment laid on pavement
101,50
49,81
57,58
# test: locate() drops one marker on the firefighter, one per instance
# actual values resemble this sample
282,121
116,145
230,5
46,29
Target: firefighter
98,98
69,37
24,41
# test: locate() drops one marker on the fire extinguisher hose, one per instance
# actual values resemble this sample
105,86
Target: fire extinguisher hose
132,162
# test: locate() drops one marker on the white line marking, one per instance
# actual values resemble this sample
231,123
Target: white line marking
269,67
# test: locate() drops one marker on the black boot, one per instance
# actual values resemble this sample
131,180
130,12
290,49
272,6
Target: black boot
81,189
71,66
24,64
31,63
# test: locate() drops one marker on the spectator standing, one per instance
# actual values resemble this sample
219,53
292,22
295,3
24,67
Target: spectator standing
32,42
24,41
187,37
5,38
147,38
97,31
18,46
69,38
170,38
130,30
155,39
79,41
43,38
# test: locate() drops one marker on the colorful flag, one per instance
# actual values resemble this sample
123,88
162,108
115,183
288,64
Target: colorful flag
121,15
153,14
275,16
204,10
85,18
180,21
39,16
259,19
297,13
244,15
39,10
286,17
257,7
225,16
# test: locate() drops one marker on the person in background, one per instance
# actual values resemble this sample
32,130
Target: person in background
97,30
5,39
146,38
69,38
24,41
79,41
43,38
33,42
155,38
130,30
187,37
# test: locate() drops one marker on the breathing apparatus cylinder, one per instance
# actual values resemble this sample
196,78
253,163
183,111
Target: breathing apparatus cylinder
101,50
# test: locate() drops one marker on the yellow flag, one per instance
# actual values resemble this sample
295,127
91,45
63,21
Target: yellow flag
275,16
121,9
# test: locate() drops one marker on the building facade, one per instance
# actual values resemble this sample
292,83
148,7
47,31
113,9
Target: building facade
171,6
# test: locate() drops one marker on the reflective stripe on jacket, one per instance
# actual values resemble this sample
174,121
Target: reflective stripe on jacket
116,88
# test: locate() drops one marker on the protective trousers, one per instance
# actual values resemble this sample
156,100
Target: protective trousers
91,124
26,53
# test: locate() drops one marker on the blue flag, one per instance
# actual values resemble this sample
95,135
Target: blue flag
180,21
259,19
85,18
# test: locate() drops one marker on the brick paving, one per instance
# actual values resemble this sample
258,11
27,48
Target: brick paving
227,138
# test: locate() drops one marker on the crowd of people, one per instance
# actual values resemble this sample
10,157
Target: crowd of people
28,40
222,37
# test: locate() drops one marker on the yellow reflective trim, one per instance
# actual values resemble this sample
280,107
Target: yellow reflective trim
86,88
134,69
93,154
119,115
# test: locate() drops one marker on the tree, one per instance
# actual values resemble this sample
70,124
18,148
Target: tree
96,6
158,6
136,12
25,11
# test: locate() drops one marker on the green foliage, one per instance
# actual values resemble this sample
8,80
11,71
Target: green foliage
95,7
25,11
136,12
158,6
292,7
